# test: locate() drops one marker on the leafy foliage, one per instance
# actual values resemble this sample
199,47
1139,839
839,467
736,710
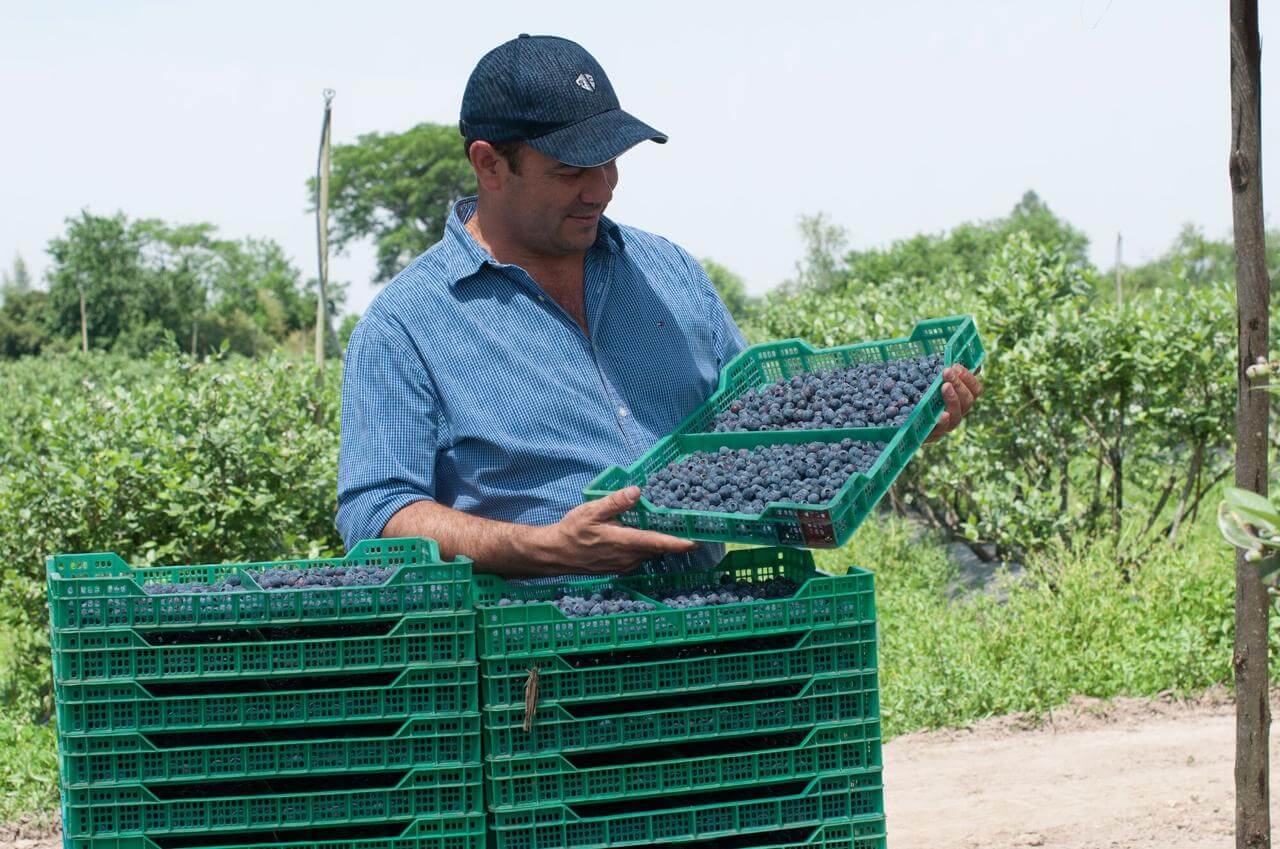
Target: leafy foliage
1074,625
28,770
730,287
966,251
165,460
819,269
150,286
1194,261
1082,418
396,188
22,325
954,258
345,330
18,279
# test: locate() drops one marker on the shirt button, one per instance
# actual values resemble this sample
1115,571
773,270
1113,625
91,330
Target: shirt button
622,411
542,298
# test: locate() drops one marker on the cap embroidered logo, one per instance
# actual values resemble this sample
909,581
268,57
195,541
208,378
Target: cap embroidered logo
586,82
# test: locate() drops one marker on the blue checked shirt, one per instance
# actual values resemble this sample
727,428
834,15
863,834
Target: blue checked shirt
465,384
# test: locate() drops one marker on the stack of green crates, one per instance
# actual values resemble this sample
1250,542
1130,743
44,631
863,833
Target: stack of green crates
749,724
342,716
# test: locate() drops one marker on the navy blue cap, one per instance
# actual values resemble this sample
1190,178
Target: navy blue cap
551,93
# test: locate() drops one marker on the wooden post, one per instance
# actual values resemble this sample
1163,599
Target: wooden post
84,325
322,233
1249,661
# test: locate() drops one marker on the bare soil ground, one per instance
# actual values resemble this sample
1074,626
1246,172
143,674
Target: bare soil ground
1124,774
1127,774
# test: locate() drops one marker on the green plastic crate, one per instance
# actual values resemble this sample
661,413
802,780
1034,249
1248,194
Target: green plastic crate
630,673
556,730
145,810
102,591
671,770
854,834
461,832
862,833
831,797
261,652
129,706
789,524
822,601
207,755
956,337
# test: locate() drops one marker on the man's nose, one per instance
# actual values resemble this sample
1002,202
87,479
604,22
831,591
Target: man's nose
597,191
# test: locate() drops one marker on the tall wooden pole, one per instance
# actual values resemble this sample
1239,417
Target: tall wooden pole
322,232
1253,293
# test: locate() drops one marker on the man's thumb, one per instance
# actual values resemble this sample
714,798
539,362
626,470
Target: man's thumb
620,500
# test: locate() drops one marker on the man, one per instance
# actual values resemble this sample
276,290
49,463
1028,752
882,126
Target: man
537,343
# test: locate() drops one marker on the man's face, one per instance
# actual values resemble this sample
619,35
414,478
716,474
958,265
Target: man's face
554,209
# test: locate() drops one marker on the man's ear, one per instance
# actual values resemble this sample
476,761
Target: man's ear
491,169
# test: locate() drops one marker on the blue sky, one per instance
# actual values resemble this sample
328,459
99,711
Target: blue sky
894,118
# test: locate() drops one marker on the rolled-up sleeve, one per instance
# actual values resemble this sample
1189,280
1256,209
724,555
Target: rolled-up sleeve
390,431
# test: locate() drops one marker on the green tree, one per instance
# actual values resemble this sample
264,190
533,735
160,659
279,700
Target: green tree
396,188
958,256
1031,214
820,267
22,326
16,280
1194,261
22,313
149,285
345,329
102,257
731,288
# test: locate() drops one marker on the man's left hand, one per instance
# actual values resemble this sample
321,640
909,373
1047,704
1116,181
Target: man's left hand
960,389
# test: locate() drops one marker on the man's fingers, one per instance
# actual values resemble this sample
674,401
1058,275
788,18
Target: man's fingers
970,381
953,412
963,393
602,568
651,541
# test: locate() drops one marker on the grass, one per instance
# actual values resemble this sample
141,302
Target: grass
28,768
1075,625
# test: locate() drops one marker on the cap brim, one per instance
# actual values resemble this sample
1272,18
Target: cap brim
596,140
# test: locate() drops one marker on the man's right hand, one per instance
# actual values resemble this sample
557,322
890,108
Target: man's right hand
590,539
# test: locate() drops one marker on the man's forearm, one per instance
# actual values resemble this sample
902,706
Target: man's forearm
504,548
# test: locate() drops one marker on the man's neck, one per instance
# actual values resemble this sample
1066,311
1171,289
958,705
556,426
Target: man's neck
560,277
507,251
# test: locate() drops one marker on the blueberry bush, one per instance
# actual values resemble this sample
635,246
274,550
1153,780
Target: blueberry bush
164,460
1099,422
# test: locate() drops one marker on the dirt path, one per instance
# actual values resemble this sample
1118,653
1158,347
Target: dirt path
1132,774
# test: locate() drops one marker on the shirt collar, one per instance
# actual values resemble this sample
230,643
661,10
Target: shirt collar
466,257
